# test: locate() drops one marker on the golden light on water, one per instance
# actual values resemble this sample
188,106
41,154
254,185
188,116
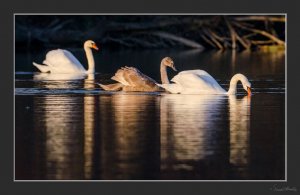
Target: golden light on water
239,115
62,137
185,123
89,128
187,133
129,118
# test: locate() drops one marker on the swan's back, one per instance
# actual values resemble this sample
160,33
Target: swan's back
62,61
130,76
197,81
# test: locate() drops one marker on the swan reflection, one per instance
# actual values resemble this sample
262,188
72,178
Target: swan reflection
193,130
64,81
57,81
89,81
89,113
130,136
55,117
239,115
57,77
188,124
67,156
141,136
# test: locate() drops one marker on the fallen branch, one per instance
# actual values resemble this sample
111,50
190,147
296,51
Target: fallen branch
208,41
246,44
261,32
262,42
260,18
183,41
214,40
217,36
249,35
232,33
121,42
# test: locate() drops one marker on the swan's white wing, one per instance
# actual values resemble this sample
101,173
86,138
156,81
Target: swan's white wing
197,81
62,61
198,72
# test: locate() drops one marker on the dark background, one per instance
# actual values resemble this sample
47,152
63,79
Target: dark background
8,186
144,31
36,34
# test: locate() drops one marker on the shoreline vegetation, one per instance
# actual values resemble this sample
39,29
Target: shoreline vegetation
220,32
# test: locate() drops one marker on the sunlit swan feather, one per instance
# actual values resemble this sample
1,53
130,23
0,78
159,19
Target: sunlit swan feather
200,82
131,79
63,61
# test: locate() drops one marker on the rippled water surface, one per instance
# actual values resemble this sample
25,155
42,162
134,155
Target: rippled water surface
66,128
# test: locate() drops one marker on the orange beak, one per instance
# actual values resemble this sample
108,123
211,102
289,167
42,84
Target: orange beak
95,47
249,90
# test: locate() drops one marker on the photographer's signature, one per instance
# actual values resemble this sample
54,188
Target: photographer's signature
282,188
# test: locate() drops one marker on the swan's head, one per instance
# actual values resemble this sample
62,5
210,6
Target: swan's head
90,44
245,82
167,61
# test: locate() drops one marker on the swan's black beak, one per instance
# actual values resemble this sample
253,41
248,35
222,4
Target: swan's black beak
249,90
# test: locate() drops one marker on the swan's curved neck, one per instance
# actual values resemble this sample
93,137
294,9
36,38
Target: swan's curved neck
163,74
90,59
233,83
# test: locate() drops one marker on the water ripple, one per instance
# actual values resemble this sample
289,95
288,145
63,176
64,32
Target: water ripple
39,91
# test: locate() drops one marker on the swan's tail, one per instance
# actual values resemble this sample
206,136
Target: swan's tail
42,68
112,87
120,76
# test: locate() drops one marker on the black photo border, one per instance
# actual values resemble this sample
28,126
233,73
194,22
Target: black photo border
8,9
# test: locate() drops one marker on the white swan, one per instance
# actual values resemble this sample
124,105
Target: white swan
131,79
63,61
200,82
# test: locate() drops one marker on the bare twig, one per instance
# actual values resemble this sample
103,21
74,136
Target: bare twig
232,33
260,18
208,41
261,32
182,40
262,42
246,44
249,35
214,40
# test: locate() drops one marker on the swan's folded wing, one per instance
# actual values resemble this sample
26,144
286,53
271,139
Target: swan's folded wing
63,60
196,81
197,72
131,76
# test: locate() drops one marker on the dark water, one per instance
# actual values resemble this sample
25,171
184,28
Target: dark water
69,129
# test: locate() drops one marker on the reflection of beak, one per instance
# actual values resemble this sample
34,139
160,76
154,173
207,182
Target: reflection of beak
249,90
95,47
173,67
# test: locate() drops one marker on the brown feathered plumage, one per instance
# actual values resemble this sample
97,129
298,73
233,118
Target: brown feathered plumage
131,79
